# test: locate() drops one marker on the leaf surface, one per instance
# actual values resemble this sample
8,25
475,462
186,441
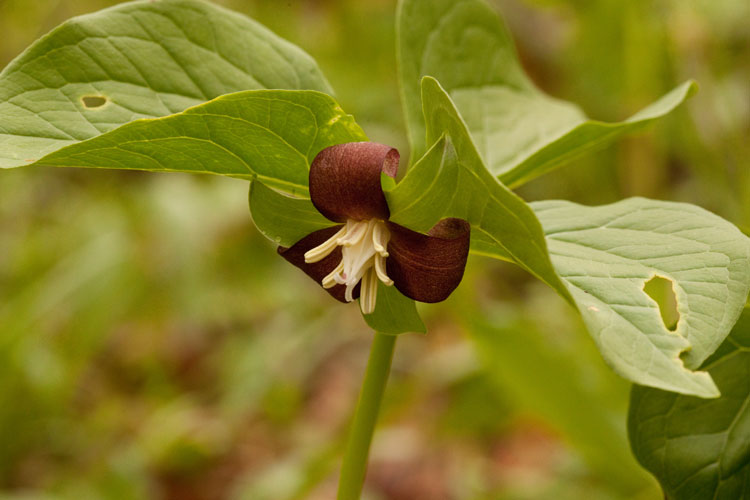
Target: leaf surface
519,131
452,181
270,135
281,218
699,448
606,255
137,60
394,313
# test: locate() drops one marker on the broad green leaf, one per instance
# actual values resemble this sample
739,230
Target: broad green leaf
606,255
566,140
269,135
281,218
450,180
137,60
520,132
461,43
699,448
394,313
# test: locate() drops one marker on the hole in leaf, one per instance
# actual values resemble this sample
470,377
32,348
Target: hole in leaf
94,101
660,289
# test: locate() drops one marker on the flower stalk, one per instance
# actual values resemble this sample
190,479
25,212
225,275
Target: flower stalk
354,466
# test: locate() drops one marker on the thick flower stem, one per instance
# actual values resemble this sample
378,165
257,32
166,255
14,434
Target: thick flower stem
354,466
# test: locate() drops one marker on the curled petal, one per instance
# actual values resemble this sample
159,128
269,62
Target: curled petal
428,268
345,180
322,268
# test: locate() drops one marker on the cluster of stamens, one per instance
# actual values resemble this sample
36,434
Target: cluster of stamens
363,253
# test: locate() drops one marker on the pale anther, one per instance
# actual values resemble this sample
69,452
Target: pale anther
323,250
330,280
380,270
355,231
363,253
368,292
380,237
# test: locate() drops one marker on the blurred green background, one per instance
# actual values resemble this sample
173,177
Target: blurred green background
152,344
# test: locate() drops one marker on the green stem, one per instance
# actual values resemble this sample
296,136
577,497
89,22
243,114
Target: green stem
354,467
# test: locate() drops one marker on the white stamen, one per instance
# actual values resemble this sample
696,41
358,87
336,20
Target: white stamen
368,292
380,237
363,252
348,293
323,250
355,231
380,270
330,280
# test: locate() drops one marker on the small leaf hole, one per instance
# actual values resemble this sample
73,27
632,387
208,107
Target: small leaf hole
94,101
661,290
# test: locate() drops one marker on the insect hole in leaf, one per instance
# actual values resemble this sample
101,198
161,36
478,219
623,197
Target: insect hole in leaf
93,101
661,290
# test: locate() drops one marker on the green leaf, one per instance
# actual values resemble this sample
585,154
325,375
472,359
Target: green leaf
606,255
270,135
450,180
520,132
137,60
394,313
461,43
281,218
699,448
568,139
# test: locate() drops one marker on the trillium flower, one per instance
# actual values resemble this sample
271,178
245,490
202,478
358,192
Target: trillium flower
364,247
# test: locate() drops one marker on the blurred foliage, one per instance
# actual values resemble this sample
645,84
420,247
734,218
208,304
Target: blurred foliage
152,345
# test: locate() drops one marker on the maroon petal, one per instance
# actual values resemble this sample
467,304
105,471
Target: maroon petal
317,270
428,268
345,180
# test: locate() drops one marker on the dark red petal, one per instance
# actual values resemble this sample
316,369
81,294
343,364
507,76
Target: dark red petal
428,268
318,270
345,180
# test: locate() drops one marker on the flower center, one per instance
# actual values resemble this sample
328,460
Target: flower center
363,252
